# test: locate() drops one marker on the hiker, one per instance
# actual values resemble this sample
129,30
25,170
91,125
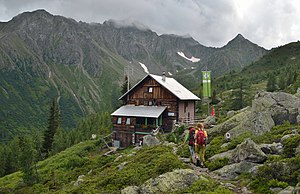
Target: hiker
200,143
190,137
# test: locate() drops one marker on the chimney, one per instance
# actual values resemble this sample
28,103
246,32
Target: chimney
163,77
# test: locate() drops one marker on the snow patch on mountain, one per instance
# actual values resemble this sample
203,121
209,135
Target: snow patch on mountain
170,73
192,59
144,67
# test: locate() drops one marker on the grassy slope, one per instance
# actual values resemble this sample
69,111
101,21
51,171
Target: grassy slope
57,173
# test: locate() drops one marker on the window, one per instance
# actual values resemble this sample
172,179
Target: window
119,120
128,121
150,89
140,121
171,114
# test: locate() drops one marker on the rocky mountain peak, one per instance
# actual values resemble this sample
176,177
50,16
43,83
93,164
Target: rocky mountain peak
238,40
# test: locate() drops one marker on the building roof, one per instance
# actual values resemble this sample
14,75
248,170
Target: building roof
140,111
170,84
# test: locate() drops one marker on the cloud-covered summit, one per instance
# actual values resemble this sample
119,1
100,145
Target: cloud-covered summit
212,23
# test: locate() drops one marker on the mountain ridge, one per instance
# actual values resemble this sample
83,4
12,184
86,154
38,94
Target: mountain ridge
84,64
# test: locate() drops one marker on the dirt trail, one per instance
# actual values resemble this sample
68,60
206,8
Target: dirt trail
234,186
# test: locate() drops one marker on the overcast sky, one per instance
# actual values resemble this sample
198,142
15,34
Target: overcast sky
268,23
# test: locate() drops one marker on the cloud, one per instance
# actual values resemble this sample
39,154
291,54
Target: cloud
212,23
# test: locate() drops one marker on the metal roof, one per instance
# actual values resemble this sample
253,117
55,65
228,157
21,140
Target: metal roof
140,111
170,84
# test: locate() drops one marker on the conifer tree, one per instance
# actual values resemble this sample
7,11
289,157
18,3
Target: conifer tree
125,85
281,83
238,101
53,124
271,85
214,99
27,160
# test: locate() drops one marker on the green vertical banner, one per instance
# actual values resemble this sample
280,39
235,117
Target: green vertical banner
206,80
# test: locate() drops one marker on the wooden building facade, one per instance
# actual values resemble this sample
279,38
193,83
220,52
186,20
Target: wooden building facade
155,101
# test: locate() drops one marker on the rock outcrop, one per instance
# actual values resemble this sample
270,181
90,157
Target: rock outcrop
233,170
248,151
150,140
165,183
268,109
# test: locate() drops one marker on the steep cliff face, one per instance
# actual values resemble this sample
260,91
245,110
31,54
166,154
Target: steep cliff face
43,56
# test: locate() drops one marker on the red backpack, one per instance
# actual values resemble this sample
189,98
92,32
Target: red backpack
192,134
200,137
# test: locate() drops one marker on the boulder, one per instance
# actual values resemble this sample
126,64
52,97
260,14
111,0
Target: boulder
297,188
227,154
79,180
231,123
287,190
150,140
169,182
234,170
230,113
210,121
248,151
131,190
282,106
255,123
286,137
274,148
268,109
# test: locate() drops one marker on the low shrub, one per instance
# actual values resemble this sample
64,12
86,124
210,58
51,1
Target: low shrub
276,183
216,164
290,145
204,185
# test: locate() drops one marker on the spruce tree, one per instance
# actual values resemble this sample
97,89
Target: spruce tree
271,84
238,101
125,85
27,160
281,83
53,124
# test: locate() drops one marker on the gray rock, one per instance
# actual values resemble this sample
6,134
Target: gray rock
169,182
185,160
227,154
267,110
79,180
121,166
254,169
288,190
274,148
283,106
298,119
286,137
276,189
231,123
209,121
248,151
230,113
234,170
297,189
131,190
224,145
298,91
150,140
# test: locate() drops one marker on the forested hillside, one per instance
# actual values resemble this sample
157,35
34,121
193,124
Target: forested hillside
276,71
